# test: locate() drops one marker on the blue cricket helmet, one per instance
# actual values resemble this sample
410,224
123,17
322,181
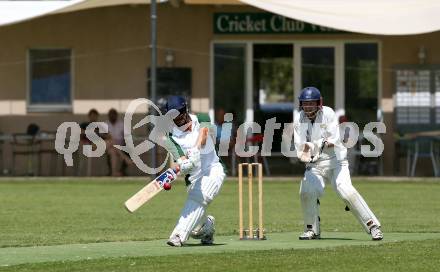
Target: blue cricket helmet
310,94
176,102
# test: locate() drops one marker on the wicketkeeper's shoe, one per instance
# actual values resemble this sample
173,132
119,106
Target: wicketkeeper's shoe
376,233
175,241
309,235
208,237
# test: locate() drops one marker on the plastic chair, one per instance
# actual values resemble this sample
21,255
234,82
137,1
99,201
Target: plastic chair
424,148
27,145
257,139
47,147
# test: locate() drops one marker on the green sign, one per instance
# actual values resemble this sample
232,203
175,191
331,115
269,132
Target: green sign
264,23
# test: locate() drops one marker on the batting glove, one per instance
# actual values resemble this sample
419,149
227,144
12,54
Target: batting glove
193,155
185,165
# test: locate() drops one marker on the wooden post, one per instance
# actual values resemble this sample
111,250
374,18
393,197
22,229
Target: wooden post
240,199
251,219
260,201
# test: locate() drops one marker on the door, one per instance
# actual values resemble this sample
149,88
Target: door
321,65
273,86
229,76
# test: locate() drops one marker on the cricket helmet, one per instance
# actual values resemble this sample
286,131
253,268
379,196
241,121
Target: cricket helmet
310,94
177,102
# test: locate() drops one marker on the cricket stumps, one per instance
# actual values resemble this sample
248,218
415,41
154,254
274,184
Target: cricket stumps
251,233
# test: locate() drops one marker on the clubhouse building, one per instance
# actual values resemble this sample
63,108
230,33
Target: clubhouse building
223,55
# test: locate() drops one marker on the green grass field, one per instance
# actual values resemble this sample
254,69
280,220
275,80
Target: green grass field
81,225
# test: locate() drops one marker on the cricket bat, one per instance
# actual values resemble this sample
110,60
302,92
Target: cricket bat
156,186
150,190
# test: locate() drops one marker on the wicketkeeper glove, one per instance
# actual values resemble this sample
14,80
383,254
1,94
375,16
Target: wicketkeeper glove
311,151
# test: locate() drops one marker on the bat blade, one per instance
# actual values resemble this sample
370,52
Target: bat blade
150,190
142,196
156,186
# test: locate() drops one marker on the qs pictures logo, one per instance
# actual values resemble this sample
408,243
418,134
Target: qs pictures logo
160,125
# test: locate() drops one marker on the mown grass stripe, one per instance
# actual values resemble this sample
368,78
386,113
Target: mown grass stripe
287,240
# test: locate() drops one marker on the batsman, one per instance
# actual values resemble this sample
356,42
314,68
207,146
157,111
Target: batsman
318,145
204,174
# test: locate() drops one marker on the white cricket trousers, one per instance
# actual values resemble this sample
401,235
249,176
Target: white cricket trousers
312,188
200,193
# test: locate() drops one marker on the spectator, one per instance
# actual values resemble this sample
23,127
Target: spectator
227,135
115,127
226,132
92,116
118,160
219,120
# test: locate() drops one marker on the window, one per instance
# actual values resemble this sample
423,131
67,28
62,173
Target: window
229,79
273,86
273,77
361,82
49,80
417,89
171,81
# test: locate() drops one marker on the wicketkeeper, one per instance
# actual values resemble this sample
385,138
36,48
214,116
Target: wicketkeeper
318,145
204,174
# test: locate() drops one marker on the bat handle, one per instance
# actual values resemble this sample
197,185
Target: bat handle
176,169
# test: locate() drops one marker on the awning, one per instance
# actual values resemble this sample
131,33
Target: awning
17,11
385,17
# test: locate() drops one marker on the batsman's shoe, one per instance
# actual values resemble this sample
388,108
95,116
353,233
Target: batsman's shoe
376,233
175,241
309,235
208,237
